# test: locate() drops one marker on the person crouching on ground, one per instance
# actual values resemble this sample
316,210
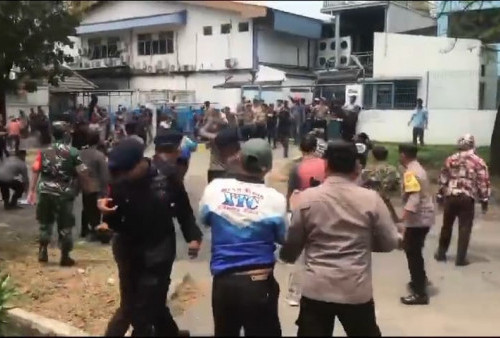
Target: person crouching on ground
13,175
339,225
247,219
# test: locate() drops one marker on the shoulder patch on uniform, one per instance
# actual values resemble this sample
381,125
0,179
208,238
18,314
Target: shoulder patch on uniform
411,183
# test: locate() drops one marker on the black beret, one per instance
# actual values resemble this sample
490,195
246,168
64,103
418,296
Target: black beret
168,137
125,155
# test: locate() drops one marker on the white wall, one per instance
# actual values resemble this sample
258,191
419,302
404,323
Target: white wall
202,84
280,48
453,66
401,19
15,103
445,126
191,47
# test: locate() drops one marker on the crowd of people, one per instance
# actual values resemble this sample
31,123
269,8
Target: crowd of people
337,211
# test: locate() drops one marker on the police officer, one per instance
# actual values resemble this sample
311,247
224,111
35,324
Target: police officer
55,172
418,216
144,197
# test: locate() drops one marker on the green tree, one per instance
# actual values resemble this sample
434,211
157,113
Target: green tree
32,37
7,292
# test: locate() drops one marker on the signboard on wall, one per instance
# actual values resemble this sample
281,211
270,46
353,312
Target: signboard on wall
356,90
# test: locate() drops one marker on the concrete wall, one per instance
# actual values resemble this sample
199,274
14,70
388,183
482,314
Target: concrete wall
191,47
453,66
280,48
445,126
401,19
14,103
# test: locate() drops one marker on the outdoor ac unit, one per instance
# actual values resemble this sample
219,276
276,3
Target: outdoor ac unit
108,63
77,61
125,58
96,64
191,68
230,63
137,65
144,66
117,62
149,69
86,65
173,68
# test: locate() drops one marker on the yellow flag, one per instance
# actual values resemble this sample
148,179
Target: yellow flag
411,183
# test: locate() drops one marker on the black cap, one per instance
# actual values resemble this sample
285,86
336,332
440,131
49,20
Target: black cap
341,156
125,155
168,137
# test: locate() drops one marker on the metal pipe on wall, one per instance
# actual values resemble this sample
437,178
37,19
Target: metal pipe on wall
337,40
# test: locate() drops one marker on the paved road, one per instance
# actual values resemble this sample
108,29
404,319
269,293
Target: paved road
464,300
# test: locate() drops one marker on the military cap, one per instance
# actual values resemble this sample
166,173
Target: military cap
168,137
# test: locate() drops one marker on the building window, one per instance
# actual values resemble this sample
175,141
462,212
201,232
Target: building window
207,30
322,45
113,47
243,27
144,44
163,45
395,95
225,28
94,48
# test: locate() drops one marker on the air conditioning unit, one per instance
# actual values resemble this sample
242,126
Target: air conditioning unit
87,65
159,66
108,62
191,68
96,64
117,62
125,58
149,69
231,62
77,62
144,66
137,65
173,68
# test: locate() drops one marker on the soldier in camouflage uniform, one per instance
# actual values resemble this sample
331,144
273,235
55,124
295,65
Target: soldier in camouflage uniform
383,178
55,173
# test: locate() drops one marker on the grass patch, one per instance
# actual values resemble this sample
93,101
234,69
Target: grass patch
432,157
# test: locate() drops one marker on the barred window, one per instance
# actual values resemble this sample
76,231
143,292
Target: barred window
393,95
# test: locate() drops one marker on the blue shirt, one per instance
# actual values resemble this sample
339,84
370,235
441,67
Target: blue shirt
246,219
420,118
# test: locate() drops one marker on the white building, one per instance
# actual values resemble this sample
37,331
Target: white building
195,50
456,79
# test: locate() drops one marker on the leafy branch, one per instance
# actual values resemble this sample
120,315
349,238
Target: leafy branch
7,293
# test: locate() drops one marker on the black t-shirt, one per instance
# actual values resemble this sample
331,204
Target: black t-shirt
284,121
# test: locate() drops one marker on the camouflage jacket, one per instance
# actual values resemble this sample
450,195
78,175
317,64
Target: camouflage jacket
465,173
58,166
383,178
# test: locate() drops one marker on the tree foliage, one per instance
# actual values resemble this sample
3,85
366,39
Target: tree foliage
7,293
32,37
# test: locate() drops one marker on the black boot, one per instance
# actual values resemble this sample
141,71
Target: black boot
43,255
462,262
66,260
415,299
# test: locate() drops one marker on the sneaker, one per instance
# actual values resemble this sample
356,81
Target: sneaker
415,299
462,263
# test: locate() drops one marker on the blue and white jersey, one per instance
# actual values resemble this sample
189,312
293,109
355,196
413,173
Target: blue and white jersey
247,219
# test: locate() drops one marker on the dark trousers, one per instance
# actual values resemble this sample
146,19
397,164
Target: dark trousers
246,131
271,136
413,244
3,148
5,188
91,217
241,301
213,174
260,131
317,319
284,139
461,207
418,134
144,281
321,124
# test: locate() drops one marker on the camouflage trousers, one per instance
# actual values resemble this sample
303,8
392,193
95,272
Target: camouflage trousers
50,209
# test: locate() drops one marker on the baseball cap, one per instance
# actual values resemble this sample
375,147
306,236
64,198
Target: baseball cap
256,155
227,136
125,155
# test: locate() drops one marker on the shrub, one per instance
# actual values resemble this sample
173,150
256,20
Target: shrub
7,292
